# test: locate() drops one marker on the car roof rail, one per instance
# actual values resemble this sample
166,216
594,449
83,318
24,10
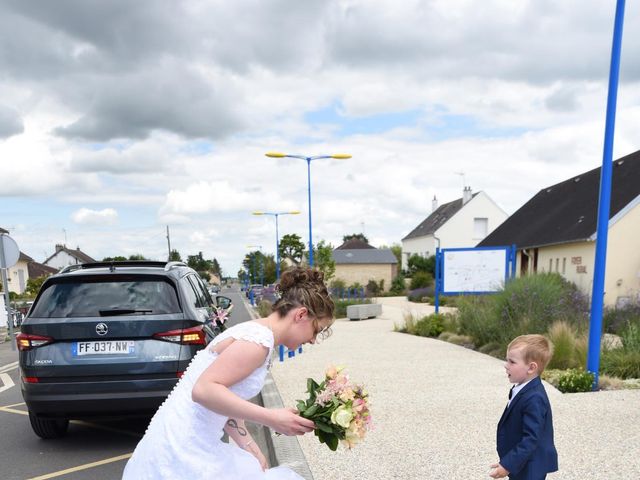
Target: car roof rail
70,268
171,265
113,264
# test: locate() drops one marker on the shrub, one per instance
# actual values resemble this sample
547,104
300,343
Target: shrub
409,324
397,285
421,280
445,336
574,380
337,284
264,308
372,289
430,326
490,348
615,320
631,337
563,337
419,294
462,340
529,304
621,363
450,322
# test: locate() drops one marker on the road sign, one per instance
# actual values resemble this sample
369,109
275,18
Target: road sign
9,251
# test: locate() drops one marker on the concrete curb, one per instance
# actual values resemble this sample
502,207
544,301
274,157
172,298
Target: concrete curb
282,450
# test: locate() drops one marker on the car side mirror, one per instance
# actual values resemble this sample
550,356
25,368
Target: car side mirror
223,302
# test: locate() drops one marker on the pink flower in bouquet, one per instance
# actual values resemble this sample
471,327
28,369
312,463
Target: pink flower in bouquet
339,408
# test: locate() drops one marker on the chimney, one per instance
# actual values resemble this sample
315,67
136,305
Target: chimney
466,195
59,247
434,204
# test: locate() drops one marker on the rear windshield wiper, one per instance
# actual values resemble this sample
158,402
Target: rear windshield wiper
123,311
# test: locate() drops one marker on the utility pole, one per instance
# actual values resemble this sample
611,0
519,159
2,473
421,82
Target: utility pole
168,244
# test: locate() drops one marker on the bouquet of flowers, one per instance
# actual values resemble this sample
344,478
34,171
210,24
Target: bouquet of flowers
339,408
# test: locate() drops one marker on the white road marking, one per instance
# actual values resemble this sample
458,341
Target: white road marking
6,380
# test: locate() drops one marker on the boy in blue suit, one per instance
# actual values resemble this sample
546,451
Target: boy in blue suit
525,431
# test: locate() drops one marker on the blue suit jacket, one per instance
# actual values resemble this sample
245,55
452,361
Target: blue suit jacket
525,435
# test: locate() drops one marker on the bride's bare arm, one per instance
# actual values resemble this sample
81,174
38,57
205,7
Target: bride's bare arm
235,363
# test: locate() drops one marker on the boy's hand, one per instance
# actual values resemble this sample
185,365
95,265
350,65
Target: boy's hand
498,471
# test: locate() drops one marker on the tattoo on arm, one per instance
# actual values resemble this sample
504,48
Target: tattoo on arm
233,424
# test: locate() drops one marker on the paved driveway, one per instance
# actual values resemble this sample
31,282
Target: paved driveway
436,406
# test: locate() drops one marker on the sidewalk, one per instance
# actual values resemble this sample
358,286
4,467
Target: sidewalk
436,406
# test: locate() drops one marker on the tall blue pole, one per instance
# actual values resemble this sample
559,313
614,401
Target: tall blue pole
309,196
604,203
277,250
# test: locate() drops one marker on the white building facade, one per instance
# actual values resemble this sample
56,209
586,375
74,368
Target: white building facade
458,224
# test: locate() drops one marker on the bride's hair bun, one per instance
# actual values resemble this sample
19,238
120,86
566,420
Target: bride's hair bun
303,286
300,278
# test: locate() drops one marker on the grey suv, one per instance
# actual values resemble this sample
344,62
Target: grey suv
111,339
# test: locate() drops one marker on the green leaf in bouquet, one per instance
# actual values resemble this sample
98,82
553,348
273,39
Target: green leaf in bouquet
308,413
301,406
312,386
332,442
325,427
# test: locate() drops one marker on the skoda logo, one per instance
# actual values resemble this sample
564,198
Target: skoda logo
102,329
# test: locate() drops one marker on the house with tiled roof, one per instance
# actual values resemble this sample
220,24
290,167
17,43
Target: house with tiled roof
555,231
358,262
460,223
26,268
64,256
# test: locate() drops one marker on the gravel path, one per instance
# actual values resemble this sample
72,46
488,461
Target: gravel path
436,406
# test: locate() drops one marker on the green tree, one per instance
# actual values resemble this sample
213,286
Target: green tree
215,266
417,263
137,256
357,236
118,258
34,284
253,263
323,259
174,256
291,247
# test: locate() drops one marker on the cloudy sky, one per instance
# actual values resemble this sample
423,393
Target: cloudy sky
118,118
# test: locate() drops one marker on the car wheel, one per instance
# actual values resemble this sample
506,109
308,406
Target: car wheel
48,427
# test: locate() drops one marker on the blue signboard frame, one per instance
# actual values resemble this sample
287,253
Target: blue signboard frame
509,270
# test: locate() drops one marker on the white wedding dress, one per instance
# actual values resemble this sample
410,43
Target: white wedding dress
184,439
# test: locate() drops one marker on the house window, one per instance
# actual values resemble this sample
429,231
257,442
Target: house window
480,227
564,265
557,263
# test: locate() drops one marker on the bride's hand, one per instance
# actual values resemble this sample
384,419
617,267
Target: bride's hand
288,422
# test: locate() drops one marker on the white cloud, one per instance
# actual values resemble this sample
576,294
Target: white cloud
165,114
106,216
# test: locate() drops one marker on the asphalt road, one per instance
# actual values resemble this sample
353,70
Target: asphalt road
90,450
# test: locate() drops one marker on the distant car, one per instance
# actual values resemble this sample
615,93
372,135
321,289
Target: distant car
213,289
111,340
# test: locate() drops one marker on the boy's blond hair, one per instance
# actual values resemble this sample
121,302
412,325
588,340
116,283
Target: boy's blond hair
535,348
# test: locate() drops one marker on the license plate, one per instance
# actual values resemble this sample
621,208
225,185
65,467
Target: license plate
104,347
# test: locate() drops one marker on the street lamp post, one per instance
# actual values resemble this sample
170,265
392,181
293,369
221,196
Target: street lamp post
339,156
276,215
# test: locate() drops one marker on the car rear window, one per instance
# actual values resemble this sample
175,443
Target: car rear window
89,299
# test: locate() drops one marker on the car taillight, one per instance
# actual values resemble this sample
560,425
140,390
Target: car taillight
185,336
26,341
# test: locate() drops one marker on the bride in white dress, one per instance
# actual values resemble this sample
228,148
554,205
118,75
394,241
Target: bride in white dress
184,438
